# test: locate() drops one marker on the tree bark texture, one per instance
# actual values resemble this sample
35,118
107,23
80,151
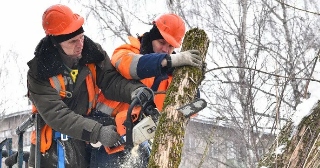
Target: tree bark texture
300,145
168,141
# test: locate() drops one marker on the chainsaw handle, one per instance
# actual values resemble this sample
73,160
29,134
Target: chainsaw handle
129,124
143,95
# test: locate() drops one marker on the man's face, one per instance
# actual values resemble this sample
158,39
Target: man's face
162,46
73,47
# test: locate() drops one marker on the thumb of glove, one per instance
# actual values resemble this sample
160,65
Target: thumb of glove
108,135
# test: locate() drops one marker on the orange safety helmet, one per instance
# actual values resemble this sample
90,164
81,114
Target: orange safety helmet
172,28
59,19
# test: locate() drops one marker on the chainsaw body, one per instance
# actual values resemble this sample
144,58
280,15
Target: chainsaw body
144,126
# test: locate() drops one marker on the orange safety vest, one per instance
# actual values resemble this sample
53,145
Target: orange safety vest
57,82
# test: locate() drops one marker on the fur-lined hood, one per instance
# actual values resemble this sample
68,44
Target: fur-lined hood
47,61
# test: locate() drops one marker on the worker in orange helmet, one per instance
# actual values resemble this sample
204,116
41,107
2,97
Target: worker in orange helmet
151,59
64,79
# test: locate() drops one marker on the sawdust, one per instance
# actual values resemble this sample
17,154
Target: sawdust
133,159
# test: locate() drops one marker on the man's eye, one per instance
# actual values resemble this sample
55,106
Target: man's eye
74,41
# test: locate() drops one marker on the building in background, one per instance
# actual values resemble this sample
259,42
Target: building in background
8,126
209,145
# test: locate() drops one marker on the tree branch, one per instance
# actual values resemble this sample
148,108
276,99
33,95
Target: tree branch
287,77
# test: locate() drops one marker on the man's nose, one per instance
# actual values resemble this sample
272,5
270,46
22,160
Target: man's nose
80,43
165,48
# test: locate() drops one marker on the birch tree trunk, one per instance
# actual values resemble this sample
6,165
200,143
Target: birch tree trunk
298,146
168,141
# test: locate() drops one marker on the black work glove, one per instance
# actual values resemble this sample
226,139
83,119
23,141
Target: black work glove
101,118
108,136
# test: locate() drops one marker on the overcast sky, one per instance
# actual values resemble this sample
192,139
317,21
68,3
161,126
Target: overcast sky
21,27
21,30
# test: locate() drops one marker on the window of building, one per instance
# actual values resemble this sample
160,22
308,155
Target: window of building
231,152
260,152
214,150
191,142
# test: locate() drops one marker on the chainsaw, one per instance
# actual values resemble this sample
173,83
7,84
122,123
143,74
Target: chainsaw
139,123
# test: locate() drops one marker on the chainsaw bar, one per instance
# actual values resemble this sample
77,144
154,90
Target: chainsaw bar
193,107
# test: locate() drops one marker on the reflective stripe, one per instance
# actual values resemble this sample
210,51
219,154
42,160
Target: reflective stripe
110,107
56,84
90,91
133,66
128,71
104,108
126,57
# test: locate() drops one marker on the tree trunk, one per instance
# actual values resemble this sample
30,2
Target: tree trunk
299,145
168,141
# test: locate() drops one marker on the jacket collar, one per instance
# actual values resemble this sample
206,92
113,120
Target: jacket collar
47,61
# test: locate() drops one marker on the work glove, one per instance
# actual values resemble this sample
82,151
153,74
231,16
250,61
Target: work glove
189,57
143,95
108,135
